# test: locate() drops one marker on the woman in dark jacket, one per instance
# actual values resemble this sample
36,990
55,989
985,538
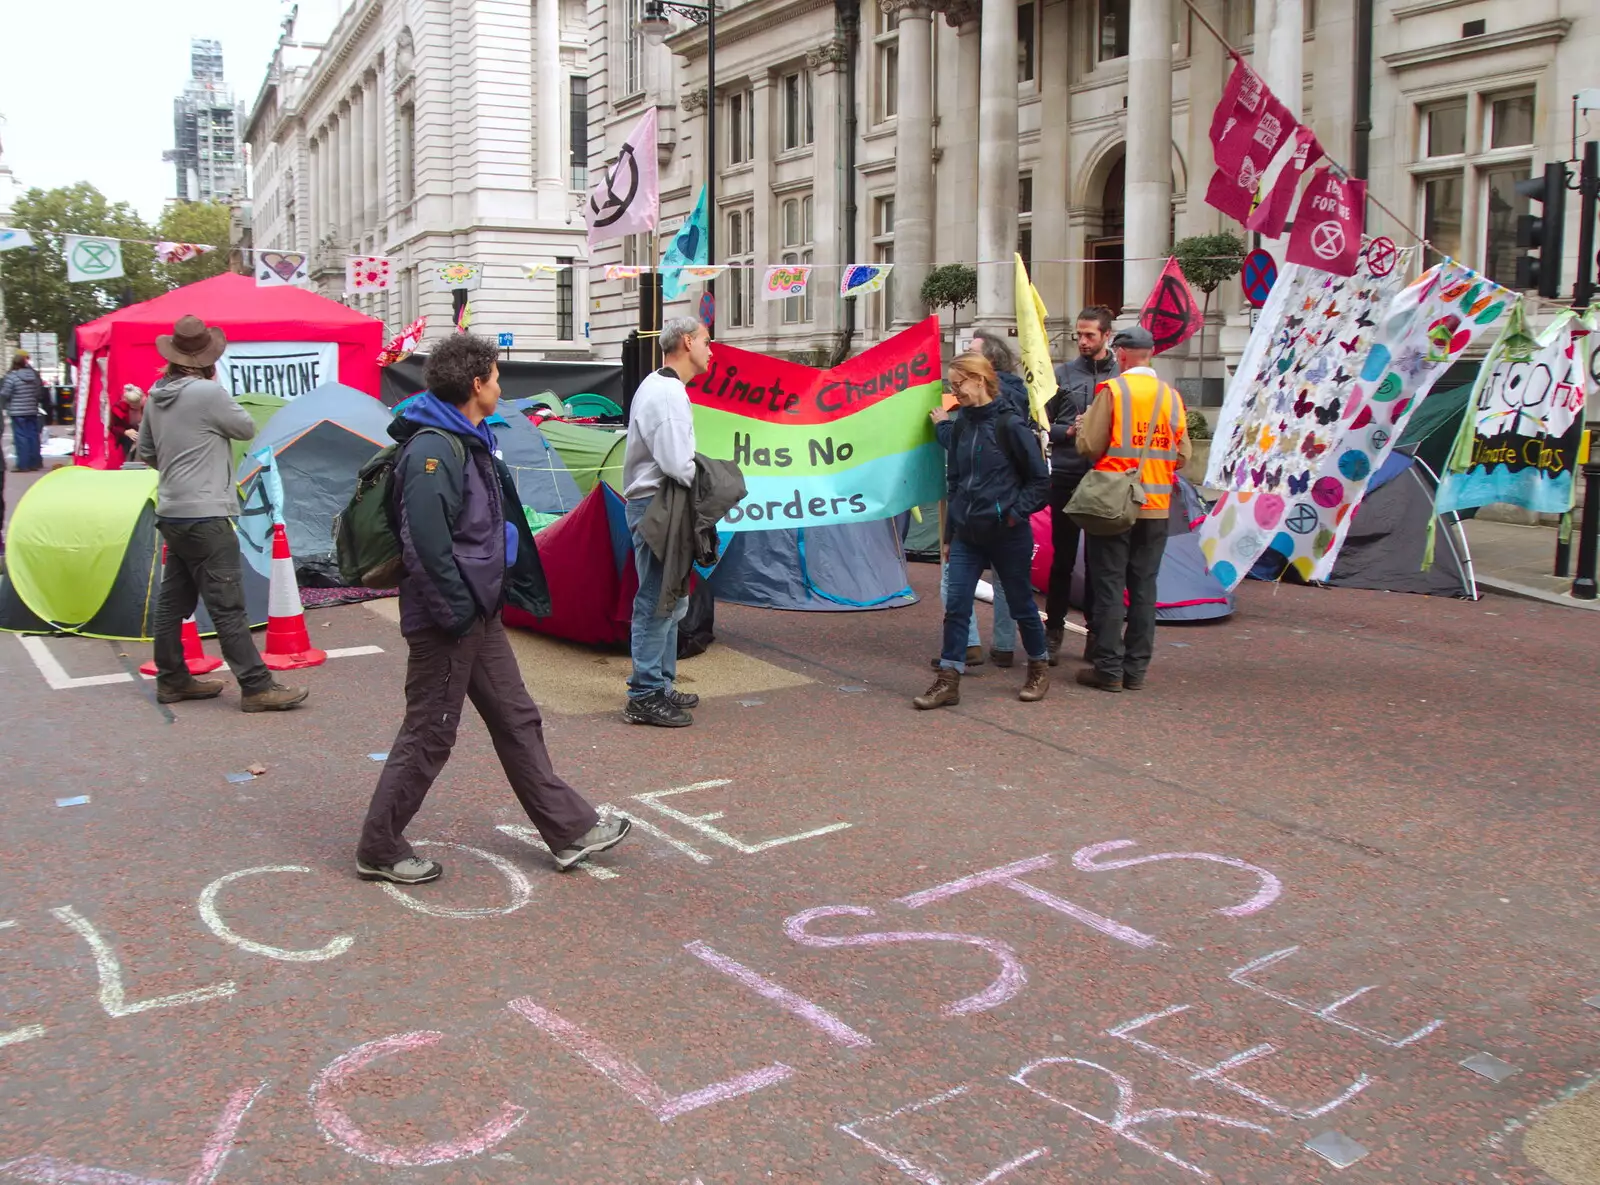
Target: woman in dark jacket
995,477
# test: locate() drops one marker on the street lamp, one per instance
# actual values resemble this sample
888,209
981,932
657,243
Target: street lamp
655,27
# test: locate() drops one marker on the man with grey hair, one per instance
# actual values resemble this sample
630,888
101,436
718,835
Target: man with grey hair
660,449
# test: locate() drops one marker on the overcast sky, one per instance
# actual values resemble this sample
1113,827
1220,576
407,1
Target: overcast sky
86,86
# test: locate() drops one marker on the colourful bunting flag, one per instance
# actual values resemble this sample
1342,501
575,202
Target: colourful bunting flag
275,268
628,198
861,278
1329,223
786,280
689,246
404,344
365,273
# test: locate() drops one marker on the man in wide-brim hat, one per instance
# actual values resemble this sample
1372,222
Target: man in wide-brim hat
189,420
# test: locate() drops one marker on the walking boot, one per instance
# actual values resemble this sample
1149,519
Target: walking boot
945,692
975,658
193,689
1053,635
1002,658
1090,677
276,698
1038,681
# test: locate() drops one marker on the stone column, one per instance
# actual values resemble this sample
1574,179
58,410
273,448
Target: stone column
765,313
314,183
827,215
1285,69
958,170
346,179
371,153
1148,235
552,190
997,163
358,168
1208,67
913,169
1261,34
1052,180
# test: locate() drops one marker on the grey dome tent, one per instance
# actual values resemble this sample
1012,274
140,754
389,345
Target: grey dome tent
543,482
841,567
319,442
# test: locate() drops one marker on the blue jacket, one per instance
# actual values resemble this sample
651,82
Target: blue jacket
995,475
464,540
21,392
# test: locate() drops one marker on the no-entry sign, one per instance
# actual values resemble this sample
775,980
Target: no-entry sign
1259,274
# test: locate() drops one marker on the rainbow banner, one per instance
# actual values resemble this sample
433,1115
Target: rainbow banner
850,444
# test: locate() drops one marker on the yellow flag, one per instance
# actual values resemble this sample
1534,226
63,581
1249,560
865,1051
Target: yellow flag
1035,346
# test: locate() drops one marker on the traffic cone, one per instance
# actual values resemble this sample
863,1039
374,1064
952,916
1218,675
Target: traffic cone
194,653
288,645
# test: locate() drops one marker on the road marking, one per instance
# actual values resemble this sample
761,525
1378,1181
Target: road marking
23,1032
813,1014
56,675
702,823
113,996
521,889
213,919
650,828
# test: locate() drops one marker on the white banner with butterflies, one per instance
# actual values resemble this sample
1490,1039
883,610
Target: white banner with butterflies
1300,451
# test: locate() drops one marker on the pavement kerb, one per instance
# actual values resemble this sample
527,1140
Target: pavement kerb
1510,588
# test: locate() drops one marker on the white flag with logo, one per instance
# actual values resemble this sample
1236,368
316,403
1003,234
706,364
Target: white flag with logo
628,199
12,237
90,259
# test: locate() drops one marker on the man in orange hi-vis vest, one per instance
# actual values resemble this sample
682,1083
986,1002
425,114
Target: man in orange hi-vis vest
1133,415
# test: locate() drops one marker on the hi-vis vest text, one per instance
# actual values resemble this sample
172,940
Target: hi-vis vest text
1145,403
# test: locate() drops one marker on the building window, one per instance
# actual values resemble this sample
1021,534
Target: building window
578,132
1113,29
1027,41
1444,129
880,312
565,279
1441,213
886,51
1502,204
631,252
408,153
631,12
796,110
1511,121
797,244
741,252
741,128
1025,220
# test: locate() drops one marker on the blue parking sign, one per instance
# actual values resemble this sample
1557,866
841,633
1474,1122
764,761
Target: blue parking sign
507,340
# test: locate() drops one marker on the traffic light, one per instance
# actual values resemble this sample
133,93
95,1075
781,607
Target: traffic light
1542,232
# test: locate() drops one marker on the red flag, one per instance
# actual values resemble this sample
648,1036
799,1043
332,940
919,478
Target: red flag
1171,314
1329,223
1282,179
1248,128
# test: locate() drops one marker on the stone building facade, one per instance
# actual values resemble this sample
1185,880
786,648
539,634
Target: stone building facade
1074,131
430,131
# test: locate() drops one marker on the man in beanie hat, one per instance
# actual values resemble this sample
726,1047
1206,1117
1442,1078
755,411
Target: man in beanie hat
189,418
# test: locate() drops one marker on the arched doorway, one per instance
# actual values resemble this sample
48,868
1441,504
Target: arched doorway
1103,273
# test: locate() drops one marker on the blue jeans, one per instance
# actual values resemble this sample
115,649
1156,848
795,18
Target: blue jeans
1010,554
654,639
1005,629
25,438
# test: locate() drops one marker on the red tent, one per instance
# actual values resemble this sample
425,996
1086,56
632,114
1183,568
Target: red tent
120,348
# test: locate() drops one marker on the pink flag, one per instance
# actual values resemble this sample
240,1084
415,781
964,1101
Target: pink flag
1329,223
1281,180
178,252
628,198
1247,132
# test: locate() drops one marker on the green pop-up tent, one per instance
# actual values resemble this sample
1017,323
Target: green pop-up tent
83,556
591,454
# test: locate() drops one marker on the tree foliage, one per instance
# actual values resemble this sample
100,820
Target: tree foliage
194,222
1208,260
38,297
952,285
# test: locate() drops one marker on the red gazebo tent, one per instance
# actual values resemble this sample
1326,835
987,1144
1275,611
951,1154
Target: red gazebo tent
120,347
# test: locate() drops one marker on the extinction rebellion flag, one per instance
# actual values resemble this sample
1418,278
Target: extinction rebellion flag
850,444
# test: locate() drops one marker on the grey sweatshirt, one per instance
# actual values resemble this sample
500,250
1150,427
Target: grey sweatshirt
187,425
660,436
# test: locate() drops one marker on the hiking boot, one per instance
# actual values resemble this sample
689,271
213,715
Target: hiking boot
410,871
276,698
1053,636
1090,677
974,658
607,833
1038,681
1132,682
1003,658
193,689
1088,647
682,699
658,710
945,692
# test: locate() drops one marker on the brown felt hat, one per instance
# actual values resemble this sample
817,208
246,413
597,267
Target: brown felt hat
192,343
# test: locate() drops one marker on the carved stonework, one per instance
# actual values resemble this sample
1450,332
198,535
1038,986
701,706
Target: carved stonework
831,53
892,6
693,101
958,12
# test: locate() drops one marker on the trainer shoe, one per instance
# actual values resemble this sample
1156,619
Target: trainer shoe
193,689
410,871
607,833
656,709
276,698
682,699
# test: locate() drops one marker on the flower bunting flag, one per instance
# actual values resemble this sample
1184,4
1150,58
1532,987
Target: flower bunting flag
862,278
365,273
404,344
786,280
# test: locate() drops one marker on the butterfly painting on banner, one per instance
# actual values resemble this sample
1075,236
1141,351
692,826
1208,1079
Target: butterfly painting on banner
1414,338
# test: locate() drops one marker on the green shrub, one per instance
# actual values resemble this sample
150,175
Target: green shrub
1199,426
